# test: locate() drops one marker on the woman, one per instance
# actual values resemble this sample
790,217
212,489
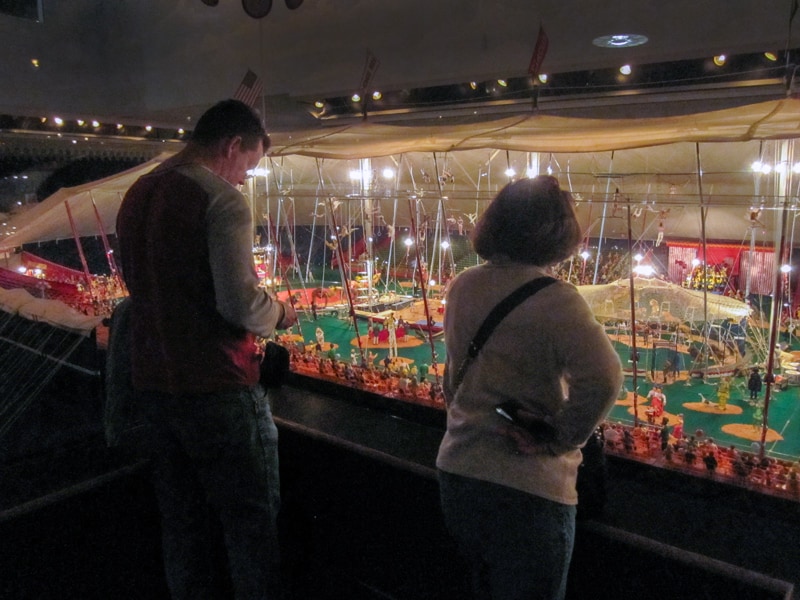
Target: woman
508,496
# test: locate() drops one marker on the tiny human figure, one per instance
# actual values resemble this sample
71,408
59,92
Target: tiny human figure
391,326
664,434
723,393
627,440
677,431
754,383
667,371
320,337
658,400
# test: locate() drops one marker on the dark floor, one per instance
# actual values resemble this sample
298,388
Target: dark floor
361,521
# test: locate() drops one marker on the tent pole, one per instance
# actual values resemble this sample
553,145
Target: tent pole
634,352
603,223
787,151
345,280
80,249
703,214
422,284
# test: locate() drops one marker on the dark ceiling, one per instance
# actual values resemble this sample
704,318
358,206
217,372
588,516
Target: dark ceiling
153,62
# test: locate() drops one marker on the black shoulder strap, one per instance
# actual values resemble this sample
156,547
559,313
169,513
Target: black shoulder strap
497,314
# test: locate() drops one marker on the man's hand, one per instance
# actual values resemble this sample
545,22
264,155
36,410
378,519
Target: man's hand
289,316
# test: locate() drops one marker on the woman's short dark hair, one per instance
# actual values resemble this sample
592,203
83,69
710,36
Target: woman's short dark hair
230,118
530,221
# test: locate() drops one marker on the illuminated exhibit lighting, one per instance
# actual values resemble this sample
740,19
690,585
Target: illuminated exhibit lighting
720,60
510,172
376,95
58,121
502,83
620,40
644,270
771,56
586,255
445,245
766,168
388,173
356,97
408,242
95,124
319,104
543,77
625,69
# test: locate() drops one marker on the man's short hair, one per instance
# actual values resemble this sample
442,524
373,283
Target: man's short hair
530,221
230,118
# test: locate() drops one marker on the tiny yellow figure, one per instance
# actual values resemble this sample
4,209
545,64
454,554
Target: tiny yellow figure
723,393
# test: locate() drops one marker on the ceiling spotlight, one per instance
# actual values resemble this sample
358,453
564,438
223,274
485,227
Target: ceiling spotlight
148,128
771,56
35,63
257,9
720,59
181,131
319,104
625,69
473,85
502,82
80,122
543,77
376,95
620,40
95,124
356,97
120,126
58,121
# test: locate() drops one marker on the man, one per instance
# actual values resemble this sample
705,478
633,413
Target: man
185,235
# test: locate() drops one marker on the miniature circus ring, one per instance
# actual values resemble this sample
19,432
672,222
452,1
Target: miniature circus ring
751,432
713,408
325,346
403,340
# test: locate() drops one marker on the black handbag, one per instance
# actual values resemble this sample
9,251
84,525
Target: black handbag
274,365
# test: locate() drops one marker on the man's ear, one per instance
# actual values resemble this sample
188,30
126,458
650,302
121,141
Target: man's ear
232,145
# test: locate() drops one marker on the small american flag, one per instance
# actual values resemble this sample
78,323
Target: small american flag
371,65
539,52
249,91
